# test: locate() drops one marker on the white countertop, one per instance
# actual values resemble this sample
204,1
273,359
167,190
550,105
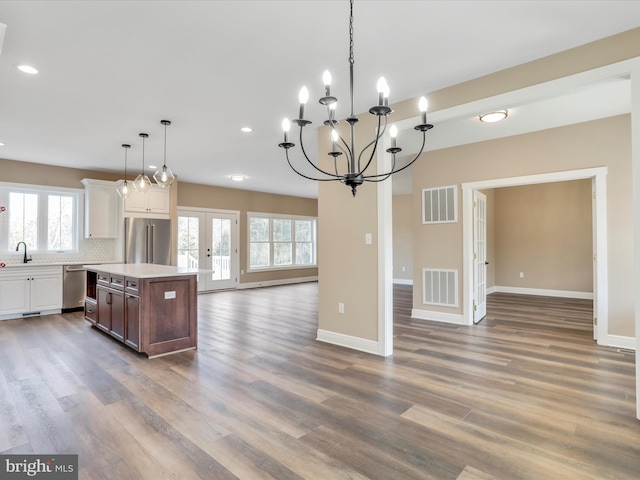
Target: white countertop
144,270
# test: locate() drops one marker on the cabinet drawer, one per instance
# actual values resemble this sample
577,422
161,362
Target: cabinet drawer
90,311
102,278
116,282
131,286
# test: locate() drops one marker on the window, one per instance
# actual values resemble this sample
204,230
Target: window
45,220
281,241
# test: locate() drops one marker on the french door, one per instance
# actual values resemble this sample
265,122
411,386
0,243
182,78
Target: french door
480,256
208,240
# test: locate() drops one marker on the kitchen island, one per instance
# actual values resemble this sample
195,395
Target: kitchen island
151,308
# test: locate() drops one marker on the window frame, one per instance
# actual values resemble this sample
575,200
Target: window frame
271,242
43,193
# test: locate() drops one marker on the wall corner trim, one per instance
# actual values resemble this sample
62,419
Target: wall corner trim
354,343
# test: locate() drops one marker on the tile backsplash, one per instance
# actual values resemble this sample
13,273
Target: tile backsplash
90,250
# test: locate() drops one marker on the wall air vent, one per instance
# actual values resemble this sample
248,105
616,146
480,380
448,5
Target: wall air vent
440,205
440,287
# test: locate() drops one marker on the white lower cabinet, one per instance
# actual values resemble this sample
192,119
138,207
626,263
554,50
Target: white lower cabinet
30,291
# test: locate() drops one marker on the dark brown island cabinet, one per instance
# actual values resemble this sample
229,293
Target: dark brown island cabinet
151,308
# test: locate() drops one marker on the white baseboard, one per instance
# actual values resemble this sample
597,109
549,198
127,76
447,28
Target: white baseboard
454,318
542,292
272,283
491,290
403,281
355,343
628,343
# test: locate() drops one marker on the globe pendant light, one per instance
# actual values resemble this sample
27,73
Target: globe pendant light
124,188
142,182
164,176
351,170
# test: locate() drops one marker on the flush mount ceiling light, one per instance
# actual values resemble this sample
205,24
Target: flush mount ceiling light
27,69
164,177
353,171
246,129
492,117
142,182
123,188
237,178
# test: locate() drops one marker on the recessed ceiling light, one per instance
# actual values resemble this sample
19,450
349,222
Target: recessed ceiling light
27,69
237,178
246,129
492,117
1,144
152,167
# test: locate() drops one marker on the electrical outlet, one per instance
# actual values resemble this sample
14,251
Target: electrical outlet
340,307
521,274
368,239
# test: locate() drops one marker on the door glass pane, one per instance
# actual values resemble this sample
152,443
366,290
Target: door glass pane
188,239
221,248
23,220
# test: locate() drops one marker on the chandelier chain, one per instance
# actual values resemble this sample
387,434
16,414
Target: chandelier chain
351,61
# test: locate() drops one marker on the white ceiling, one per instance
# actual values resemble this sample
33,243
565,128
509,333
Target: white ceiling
112,69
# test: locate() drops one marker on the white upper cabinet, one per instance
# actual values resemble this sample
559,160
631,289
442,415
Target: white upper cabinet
101,208
155,202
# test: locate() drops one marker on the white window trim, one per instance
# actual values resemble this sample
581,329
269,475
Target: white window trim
42,233
272,216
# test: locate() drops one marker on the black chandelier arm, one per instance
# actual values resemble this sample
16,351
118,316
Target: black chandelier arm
308,177
386,175
310,162
373,142
332,124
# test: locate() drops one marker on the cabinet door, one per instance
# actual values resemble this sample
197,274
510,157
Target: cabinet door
101,211
117,315
104,309
132,325
14,294
136,201
46,292
158,200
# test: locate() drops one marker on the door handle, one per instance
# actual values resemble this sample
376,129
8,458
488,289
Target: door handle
486,263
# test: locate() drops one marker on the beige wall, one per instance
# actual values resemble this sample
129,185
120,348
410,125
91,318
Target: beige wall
545,231
39,174
591,144
403,237
205,196
348,272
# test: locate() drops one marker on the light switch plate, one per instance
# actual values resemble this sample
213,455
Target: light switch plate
169,295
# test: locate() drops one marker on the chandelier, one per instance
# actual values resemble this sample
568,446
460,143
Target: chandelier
353,171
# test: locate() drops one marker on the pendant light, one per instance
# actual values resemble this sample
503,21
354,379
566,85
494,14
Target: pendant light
124,188
142,182
164,176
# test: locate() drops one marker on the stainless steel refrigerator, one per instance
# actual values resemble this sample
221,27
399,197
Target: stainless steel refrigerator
147,240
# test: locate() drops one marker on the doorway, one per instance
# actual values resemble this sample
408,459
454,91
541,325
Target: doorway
600,288
208,240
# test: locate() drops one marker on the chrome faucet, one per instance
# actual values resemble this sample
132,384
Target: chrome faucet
25,259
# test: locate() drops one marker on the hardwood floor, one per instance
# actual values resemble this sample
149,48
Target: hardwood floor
525,394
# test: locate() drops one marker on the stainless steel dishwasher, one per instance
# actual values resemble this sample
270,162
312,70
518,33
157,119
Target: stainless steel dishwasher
74,287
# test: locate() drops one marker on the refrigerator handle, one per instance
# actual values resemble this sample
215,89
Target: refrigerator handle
150,238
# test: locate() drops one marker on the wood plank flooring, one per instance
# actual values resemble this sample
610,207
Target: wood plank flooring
525,394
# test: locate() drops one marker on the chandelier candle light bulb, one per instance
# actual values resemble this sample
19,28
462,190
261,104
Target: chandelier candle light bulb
423,104
326,79
303,97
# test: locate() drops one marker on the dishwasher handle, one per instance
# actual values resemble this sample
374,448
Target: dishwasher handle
74,269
